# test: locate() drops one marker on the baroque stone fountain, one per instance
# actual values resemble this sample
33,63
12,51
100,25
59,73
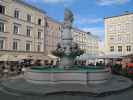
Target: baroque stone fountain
67,50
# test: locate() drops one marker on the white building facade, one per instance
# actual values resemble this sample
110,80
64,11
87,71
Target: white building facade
119,34
86,41
22,28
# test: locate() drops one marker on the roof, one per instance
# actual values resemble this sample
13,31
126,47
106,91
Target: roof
53,20
126,13
29,5
74,28
88,33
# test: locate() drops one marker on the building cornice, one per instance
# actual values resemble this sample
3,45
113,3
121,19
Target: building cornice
35,52
19,20
29,5
53,20
119,15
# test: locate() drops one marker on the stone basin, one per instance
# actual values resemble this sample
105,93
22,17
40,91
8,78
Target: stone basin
59,76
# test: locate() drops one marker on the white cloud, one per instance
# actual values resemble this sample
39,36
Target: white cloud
95,31
34,1
88,20
64,2
58,1
111,2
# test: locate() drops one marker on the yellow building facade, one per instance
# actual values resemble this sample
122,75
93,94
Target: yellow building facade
119,34
53,35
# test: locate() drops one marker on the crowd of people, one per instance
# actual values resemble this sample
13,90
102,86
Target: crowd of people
13,67
18,67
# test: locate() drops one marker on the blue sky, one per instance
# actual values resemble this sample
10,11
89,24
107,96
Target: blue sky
89,14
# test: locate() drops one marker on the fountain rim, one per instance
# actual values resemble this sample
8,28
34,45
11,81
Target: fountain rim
61,70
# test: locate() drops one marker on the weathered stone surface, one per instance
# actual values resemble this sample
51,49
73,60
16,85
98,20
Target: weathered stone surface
96,76
116,84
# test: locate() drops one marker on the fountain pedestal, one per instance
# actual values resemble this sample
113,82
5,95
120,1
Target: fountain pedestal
66,62
92,76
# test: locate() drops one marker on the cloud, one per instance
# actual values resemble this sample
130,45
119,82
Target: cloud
34,1
58,1
111,2
80,20
65,3
95,31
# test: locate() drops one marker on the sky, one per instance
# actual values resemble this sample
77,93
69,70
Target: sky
88,14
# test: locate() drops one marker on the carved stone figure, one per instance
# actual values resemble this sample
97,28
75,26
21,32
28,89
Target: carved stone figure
68,18
67,49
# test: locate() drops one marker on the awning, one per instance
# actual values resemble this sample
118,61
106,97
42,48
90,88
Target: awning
8,57
87,57
21,57
40,57
111,56
52,56
128,55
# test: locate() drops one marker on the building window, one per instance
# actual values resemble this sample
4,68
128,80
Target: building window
1,44
1,27
28,46
59,28
39,47
128,48
2,9
28,32
39,35
119,48
16,14
39,21
112,48
16,29
15,45
28,18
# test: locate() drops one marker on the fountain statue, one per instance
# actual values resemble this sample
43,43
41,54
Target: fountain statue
66,72
67,49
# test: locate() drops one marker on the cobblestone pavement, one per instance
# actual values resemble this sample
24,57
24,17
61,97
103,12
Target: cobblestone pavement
19,85
126,95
